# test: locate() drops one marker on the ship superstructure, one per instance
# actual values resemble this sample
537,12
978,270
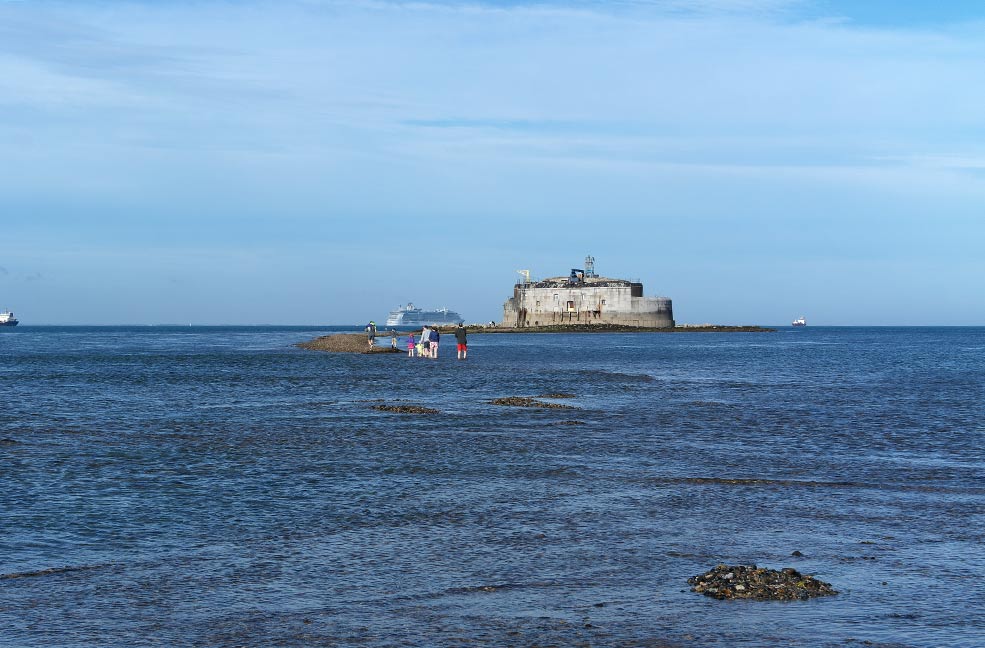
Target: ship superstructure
410,315
7,319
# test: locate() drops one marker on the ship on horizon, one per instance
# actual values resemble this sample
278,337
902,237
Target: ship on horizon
7,319
409,315
800,321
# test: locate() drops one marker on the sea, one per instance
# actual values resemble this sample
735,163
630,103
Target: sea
217,486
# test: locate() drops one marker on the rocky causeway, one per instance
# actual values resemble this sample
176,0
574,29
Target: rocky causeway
348,343
356,342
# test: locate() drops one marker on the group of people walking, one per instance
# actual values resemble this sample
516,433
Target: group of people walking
426,345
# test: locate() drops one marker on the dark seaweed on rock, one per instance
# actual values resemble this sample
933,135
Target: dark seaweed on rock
524,401
759,583
558,395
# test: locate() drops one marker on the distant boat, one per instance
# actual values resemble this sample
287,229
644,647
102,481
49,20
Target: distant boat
800,321
410,316
7,319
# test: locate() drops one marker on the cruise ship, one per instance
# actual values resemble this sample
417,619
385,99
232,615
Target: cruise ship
410,316
7,319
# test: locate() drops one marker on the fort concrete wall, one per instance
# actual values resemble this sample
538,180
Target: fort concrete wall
601,301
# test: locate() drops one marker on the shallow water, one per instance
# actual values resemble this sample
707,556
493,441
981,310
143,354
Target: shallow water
219,487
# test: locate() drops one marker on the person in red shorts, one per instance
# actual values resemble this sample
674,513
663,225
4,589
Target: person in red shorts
463,344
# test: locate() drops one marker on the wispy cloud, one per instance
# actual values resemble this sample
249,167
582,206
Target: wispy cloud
329,77
171,111
967,162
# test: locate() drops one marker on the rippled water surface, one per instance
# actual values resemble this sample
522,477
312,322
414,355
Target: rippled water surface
219,487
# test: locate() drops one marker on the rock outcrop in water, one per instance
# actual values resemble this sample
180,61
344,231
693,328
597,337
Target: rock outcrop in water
525,401
406,409
348,343
759,583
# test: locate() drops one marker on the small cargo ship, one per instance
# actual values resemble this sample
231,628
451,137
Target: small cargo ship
7,319
410,316
800,321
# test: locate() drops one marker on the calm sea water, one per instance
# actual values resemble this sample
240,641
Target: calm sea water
219,487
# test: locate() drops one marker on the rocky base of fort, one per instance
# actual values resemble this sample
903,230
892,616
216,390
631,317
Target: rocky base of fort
619,328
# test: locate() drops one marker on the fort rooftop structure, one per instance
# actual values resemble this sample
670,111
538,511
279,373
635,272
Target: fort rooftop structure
584,298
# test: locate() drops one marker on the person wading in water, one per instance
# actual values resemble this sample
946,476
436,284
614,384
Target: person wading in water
463,345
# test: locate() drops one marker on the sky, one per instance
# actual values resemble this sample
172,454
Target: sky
322,162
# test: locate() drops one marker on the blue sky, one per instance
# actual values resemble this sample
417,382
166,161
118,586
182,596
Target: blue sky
319,162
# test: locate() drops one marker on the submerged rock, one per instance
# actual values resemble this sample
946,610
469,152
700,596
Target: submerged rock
48,572
525,401
759,583
558,395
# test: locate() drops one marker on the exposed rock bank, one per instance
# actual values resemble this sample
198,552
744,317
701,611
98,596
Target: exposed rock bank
524,401
759,583
406,409
347,343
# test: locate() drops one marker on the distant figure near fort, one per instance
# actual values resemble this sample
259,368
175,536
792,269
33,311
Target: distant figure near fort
582,298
